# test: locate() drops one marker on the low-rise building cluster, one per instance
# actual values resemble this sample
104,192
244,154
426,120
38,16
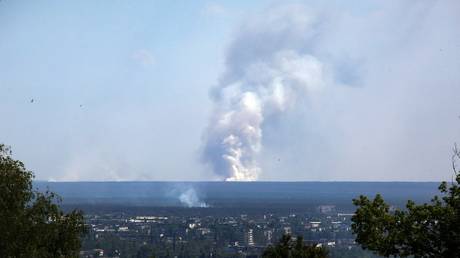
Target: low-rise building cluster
210,235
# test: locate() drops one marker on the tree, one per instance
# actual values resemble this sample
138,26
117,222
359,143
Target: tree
31,222
427,230
290,248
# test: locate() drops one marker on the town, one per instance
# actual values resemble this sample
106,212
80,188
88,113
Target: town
174,234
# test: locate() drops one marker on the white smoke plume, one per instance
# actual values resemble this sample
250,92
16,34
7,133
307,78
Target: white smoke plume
190,199
268,67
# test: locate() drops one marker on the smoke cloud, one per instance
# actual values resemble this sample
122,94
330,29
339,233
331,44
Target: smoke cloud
189,198
187,195
268,69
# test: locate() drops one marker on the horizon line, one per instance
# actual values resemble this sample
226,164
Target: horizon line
230,182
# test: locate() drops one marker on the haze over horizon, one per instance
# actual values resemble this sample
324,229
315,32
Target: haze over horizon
231,90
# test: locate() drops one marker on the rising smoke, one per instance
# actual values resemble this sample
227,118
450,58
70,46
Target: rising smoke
187,195
268,68
189,198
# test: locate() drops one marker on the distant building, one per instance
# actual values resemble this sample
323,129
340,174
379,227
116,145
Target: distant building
204,231
287,230
315,224
250,237
345,214
326,208
123,229
268,234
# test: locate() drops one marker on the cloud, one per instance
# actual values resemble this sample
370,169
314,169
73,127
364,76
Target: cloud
381,102
213,9
269,67
338,94
144,57
95,165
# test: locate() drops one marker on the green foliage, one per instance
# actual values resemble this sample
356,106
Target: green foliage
428,230
289,248
32,224
351,252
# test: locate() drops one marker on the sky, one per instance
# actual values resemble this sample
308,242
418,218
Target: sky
231,90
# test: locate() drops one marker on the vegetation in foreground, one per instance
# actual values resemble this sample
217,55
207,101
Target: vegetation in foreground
427,230
291,248
32,223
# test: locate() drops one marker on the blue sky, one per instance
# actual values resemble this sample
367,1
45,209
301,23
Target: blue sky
122,90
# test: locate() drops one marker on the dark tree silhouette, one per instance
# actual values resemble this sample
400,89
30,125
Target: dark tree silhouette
290,248
428,230
32,223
